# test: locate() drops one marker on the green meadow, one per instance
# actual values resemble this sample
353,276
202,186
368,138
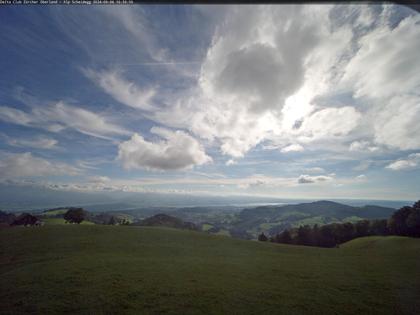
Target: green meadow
93,269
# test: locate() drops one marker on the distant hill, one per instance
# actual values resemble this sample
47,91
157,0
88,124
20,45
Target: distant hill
273,219
320,208
247,223
97,269
167,221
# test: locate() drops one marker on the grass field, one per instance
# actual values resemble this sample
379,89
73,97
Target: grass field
90,269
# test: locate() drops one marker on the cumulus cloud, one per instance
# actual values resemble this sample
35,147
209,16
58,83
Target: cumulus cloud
308,179
257,60
262,77
330,123
385,74
278,74
259,67
177,150
60,116
271,75
292,148
25,164
231,162
122,90
396,124
411,162
387,62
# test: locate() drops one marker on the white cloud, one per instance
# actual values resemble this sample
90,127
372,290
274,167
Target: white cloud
329,123
257,59
387,62
315,170
99,179
231,162
267,77
178,150
262,74
363,146
384,75
308,179
135,23
60,116
25,164
292,148
39,142
396,124
411,162
123,91
363,165
275,74
14,116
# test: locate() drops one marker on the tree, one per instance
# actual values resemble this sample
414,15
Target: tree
413,222
262,237
25,219
397,224
284,237
8,218
75,215
125,222
304,235
112,221
327,236
315,235
347,232
378,227
362,228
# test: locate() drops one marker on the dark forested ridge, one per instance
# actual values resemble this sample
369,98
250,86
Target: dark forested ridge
403,222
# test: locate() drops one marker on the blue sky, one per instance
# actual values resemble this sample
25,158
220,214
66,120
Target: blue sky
288,101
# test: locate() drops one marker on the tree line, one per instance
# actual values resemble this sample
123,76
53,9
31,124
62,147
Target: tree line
404,222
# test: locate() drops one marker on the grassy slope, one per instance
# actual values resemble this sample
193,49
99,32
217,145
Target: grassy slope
141,270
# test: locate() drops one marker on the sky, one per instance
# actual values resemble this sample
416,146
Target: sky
291,101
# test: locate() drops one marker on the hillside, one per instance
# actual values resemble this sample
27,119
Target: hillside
147,270
249,222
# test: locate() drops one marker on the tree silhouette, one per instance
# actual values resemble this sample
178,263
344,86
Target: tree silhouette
397,223
284,237
112,221
413,223
304,235
262,237
75,215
